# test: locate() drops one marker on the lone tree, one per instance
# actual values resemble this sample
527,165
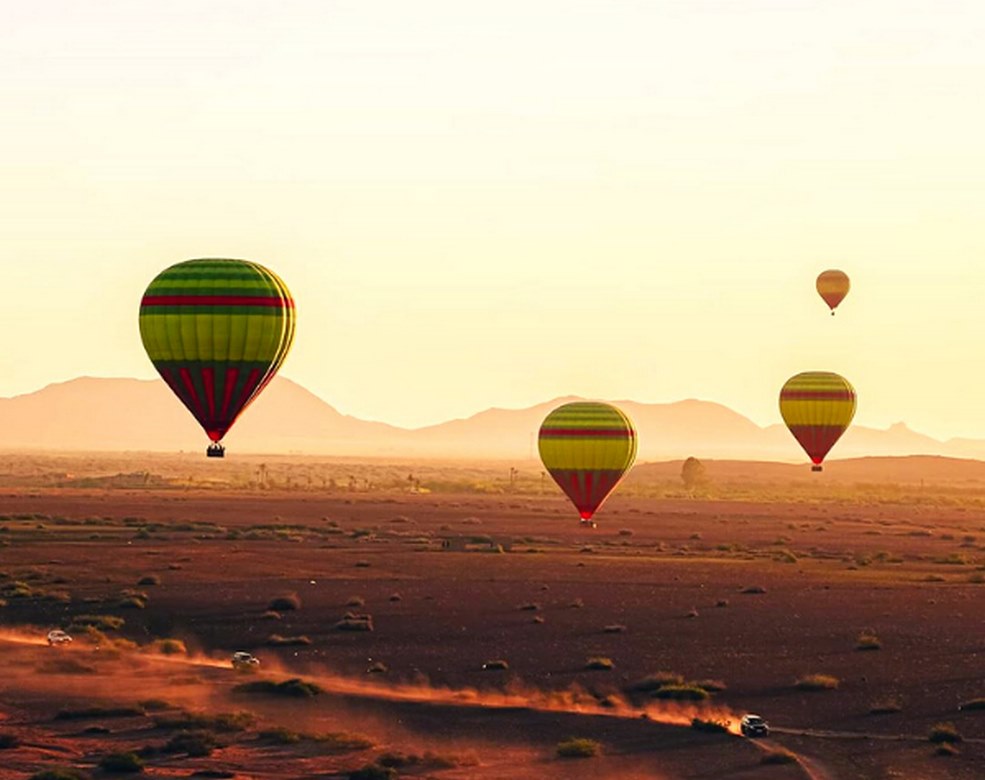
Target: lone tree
693,474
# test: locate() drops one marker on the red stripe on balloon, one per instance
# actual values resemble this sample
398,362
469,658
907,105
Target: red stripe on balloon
560,433
817,395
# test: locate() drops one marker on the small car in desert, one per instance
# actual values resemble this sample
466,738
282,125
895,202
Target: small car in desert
58,637
753,726
245,662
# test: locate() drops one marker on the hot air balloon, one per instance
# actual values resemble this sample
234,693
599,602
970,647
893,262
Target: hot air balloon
833,286
587,447
217,330
817,407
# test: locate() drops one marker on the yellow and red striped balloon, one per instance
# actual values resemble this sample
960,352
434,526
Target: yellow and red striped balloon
587,447
817,407
833,286
217,330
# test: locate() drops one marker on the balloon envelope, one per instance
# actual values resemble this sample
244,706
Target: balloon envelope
833,286
587,447
217,330
817,407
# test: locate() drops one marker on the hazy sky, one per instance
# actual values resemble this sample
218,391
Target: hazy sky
495,203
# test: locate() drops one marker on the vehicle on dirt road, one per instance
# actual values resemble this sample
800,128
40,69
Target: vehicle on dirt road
753,726
245,662
58,637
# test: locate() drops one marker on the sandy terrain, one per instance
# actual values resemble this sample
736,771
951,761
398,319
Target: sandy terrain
522,583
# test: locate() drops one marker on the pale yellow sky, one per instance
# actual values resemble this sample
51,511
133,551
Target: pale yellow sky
495,203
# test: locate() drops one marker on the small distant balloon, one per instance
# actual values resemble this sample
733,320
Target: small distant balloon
818,407
217,330
587,447
833,286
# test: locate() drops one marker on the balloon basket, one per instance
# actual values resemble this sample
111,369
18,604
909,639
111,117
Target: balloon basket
215,451
817,468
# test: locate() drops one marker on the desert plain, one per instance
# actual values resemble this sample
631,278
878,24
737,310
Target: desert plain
453,620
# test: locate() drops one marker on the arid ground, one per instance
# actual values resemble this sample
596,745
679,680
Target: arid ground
853,621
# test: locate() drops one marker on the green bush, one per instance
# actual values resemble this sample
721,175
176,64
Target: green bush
681,693
121,763
578,748
817,682
294,688
944,732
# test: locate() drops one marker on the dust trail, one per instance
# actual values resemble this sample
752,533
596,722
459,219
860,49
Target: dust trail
574,700
23,638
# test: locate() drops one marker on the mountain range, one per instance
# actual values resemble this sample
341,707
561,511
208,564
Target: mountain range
100,414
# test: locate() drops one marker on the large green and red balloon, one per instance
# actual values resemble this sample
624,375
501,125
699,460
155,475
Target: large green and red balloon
217,330
587,447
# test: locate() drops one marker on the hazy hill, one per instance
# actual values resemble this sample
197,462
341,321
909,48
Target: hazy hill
129,414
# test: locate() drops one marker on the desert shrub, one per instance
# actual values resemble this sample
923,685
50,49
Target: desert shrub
712,686
149,579
867,640
614,628
972,704
378,667
99,622
169,647
280,736
711,726
196,744
217,773
530,606
59,773
625,531
342,742
945,749
429,760
599,663
721,603
944,732
817,682
9,741
276,640
496,664
887,706
681,693
577,604
121,763
131,602
578,748
293,688
653,682
780,756
373,772
692,613
753,590
285,603
226,722
352,622
356,601
362,564
395,597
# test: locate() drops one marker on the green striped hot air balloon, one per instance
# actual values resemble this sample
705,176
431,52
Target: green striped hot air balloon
587,447
217,331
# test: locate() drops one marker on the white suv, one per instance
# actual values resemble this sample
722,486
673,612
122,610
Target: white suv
753,726
245,662
58,637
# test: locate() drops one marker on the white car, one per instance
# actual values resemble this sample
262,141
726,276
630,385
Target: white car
245,661
754,726
58,637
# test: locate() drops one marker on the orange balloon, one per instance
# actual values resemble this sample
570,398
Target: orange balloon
833,286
